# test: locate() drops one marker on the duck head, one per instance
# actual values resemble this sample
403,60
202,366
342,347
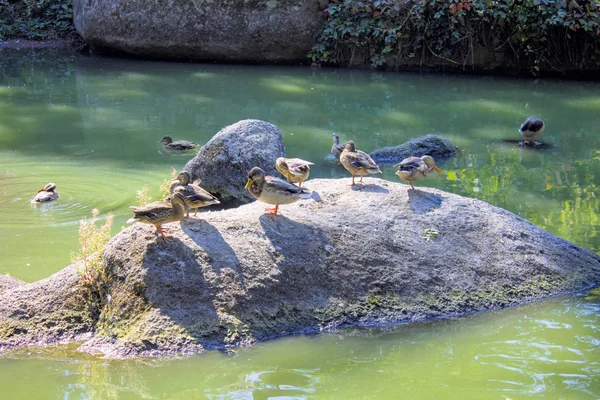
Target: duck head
430,162
49,187
166,140
350,146
184,177
255,174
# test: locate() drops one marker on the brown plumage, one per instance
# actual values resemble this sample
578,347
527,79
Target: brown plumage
295,170
195,196
271,190
357,162
47,193
160,212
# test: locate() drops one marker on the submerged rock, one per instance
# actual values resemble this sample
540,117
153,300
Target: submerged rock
259,31
434,145
238,276
224,161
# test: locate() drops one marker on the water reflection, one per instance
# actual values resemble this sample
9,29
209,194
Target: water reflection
60,116
548,350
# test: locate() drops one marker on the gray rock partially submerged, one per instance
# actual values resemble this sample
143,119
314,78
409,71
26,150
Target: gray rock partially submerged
224,161
434,145
361,255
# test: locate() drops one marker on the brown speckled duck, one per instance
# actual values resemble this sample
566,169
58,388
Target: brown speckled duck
47,193
357,162
195,196
295,170
414,168
169,144
160,212
271,190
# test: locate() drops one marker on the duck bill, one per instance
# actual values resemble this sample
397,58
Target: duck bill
248,184
436,169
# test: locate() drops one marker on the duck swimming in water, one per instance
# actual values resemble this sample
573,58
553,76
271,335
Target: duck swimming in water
169,144
47,193
414,168
336,147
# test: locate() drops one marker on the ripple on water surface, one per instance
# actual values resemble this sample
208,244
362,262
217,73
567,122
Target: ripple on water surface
31,232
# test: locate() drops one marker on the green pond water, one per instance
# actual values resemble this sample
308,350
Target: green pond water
91,125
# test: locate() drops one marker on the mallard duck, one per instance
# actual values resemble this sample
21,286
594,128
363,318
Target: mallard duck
530,128
336,147
271,190
161,212
195,196
414,168
47,193
357,162
169,144
295,170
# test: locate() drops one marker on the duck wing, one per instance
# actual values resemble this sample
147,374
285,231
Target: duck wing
297,166
363,160
182,145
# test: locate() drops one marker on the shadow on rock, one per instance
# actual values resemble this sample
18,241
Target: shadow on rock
176,286
218,254
422,202
369,188
297,243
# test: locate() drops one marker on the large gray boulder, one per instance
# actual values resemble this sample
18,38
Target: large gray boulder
260,31
373,253
361,255
434,145
224,161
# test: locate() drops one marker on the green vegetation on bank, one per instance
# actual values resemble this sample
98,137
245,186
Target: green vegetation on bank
36,19
530,34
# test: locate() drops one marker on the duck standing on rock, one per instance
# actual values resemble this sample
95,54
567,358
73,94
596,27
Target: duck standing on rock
357,162
161,212
414,168
169,144
295,170
530,128
271,190
47,193
195,196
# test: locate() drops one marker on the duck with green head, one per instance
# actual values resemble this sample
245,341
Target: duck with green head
271,190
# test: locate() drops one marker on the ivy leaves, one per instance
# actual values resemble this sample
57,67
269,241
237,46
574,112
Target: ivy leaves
386,33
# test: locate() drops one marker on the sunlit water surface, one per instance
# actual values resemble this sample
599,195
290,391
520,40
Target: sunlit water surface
91,126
